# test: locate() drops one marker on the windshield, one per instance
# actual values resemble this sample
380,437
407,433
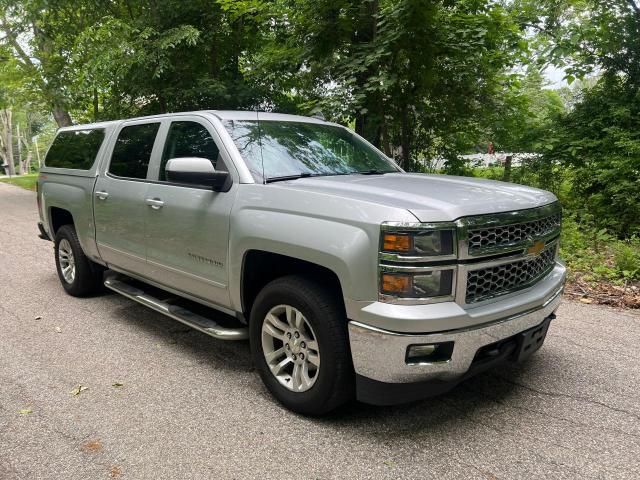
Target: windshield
275,149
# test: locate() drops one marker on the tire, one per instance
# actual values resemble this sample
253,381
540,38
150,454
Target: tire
86,276
325,323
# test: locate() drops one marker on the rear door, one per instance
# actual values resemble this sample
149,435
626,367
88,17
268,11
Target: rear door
119,197
188,226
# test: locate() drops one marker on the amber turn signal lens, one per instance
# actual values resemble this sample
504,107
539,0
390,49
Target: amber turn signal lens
396,284
396,243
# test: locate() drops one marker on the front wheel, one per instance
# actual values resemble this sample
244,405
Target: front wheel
300,346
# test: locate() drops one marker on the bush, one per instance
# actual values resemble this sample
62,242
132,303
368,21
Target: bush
597,256
626,258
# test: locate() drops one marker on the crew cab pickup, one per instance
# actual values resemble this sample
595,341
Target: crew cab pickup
349,277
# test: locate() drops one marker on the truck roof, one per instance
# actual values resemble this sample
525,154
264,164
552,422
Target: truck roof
221,114
251,115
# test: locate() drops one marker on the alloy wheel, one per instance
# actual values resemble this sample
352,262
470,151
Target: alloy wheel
290,348
67,261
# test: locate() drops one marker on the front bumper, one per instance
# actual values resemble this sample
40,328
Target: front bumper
379,355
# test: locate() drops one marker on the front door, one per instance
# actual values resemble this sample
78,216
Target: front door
119,203
188,226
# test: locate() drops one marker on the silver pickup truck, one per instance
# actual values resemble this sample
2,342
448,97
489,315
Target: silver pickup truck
349,277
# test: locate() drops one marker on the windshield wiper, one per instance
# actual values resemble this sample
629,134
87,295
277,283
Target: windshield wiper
287,177
374,171
284,178
304,175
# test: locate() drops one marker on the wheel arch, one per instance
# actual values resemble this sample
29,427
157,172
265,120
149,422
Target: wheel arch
259,267
58,217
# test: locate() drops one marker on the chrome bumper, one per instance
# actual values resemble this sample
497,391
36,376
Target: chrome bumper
380,355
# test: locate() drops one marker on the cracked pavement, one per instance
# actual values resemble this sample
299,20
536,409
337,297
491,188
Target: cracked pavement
191,407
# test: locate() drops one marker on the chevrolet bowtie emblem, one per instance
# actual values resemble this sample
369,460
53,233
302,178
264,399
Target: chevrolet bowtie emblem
536,248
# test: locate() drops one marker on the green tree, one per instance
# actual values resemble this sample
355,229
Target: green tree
406,72
600,140
599,137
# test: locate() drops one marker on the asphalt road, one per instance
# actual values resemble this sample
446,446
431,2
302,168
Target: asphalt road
190,407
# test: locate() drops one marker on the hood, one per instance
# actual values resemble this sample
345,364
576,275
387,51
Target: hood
430,198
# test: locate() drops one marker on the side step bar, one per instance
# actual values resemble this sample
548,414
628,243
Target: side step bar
205,325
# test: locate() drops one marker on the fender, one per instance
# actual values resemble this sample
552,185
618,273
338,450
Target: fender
344,249
76,196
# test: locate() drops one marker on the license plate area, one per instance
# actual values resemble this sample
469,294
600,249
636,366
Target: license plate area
531,340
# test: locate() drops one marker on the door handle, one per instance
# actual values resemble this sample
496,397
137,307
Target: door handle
102,195
154,203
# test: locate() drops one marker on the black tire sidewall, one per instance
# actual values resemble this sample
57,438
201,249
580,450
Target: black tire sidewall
86,279
333,351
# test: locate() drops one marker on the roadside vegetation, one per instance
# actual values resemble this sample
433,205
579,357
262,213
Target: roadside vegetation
427,81
27,181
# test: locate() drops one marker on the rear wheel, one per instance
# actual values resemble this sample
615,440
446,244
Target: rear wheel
79,275
300,345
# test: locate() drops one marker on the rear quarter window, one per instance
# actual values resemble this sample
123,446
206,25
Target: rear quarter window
75,149
132,151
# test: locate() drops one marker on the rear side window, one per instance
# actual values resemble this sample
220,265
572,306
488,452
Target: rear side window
132,150
75,149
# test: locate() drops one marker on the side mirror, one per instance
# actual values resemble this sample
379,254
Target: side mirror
196,171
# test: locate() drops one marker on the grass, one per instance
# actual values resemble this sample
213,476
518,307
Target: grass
25,181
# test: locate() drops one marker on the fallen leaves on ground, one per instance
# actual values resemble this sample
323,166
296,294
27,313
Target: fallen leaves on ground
25,411
92,446
115,471
117,385
78,390
603,293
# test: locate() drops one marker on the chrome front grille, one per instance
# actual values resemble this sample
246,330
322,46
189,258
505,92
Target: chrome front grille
491,238
494,254
507,277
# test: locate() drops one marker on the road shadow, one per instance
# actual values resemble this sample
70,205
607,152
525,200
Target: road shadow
202,348
466,401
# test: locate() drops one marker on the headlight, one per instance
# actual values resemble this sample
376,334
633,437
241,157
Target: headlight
420,244
424,284
417,262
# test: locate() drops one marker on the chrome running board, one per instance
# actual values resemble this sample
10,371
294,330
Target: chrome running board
205,325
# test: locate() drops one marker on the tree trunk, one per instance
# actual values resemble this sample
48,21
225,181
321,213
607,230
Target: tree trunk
6,141
35,143
360,122
20,165
61,116
95,104
27,162
367,124
405,138
506,177
162,102
367,127
384,139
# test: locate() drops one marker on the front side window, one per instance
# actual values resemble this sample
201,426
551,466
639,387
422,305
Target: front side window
75,149
275,149
190,139
132,151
